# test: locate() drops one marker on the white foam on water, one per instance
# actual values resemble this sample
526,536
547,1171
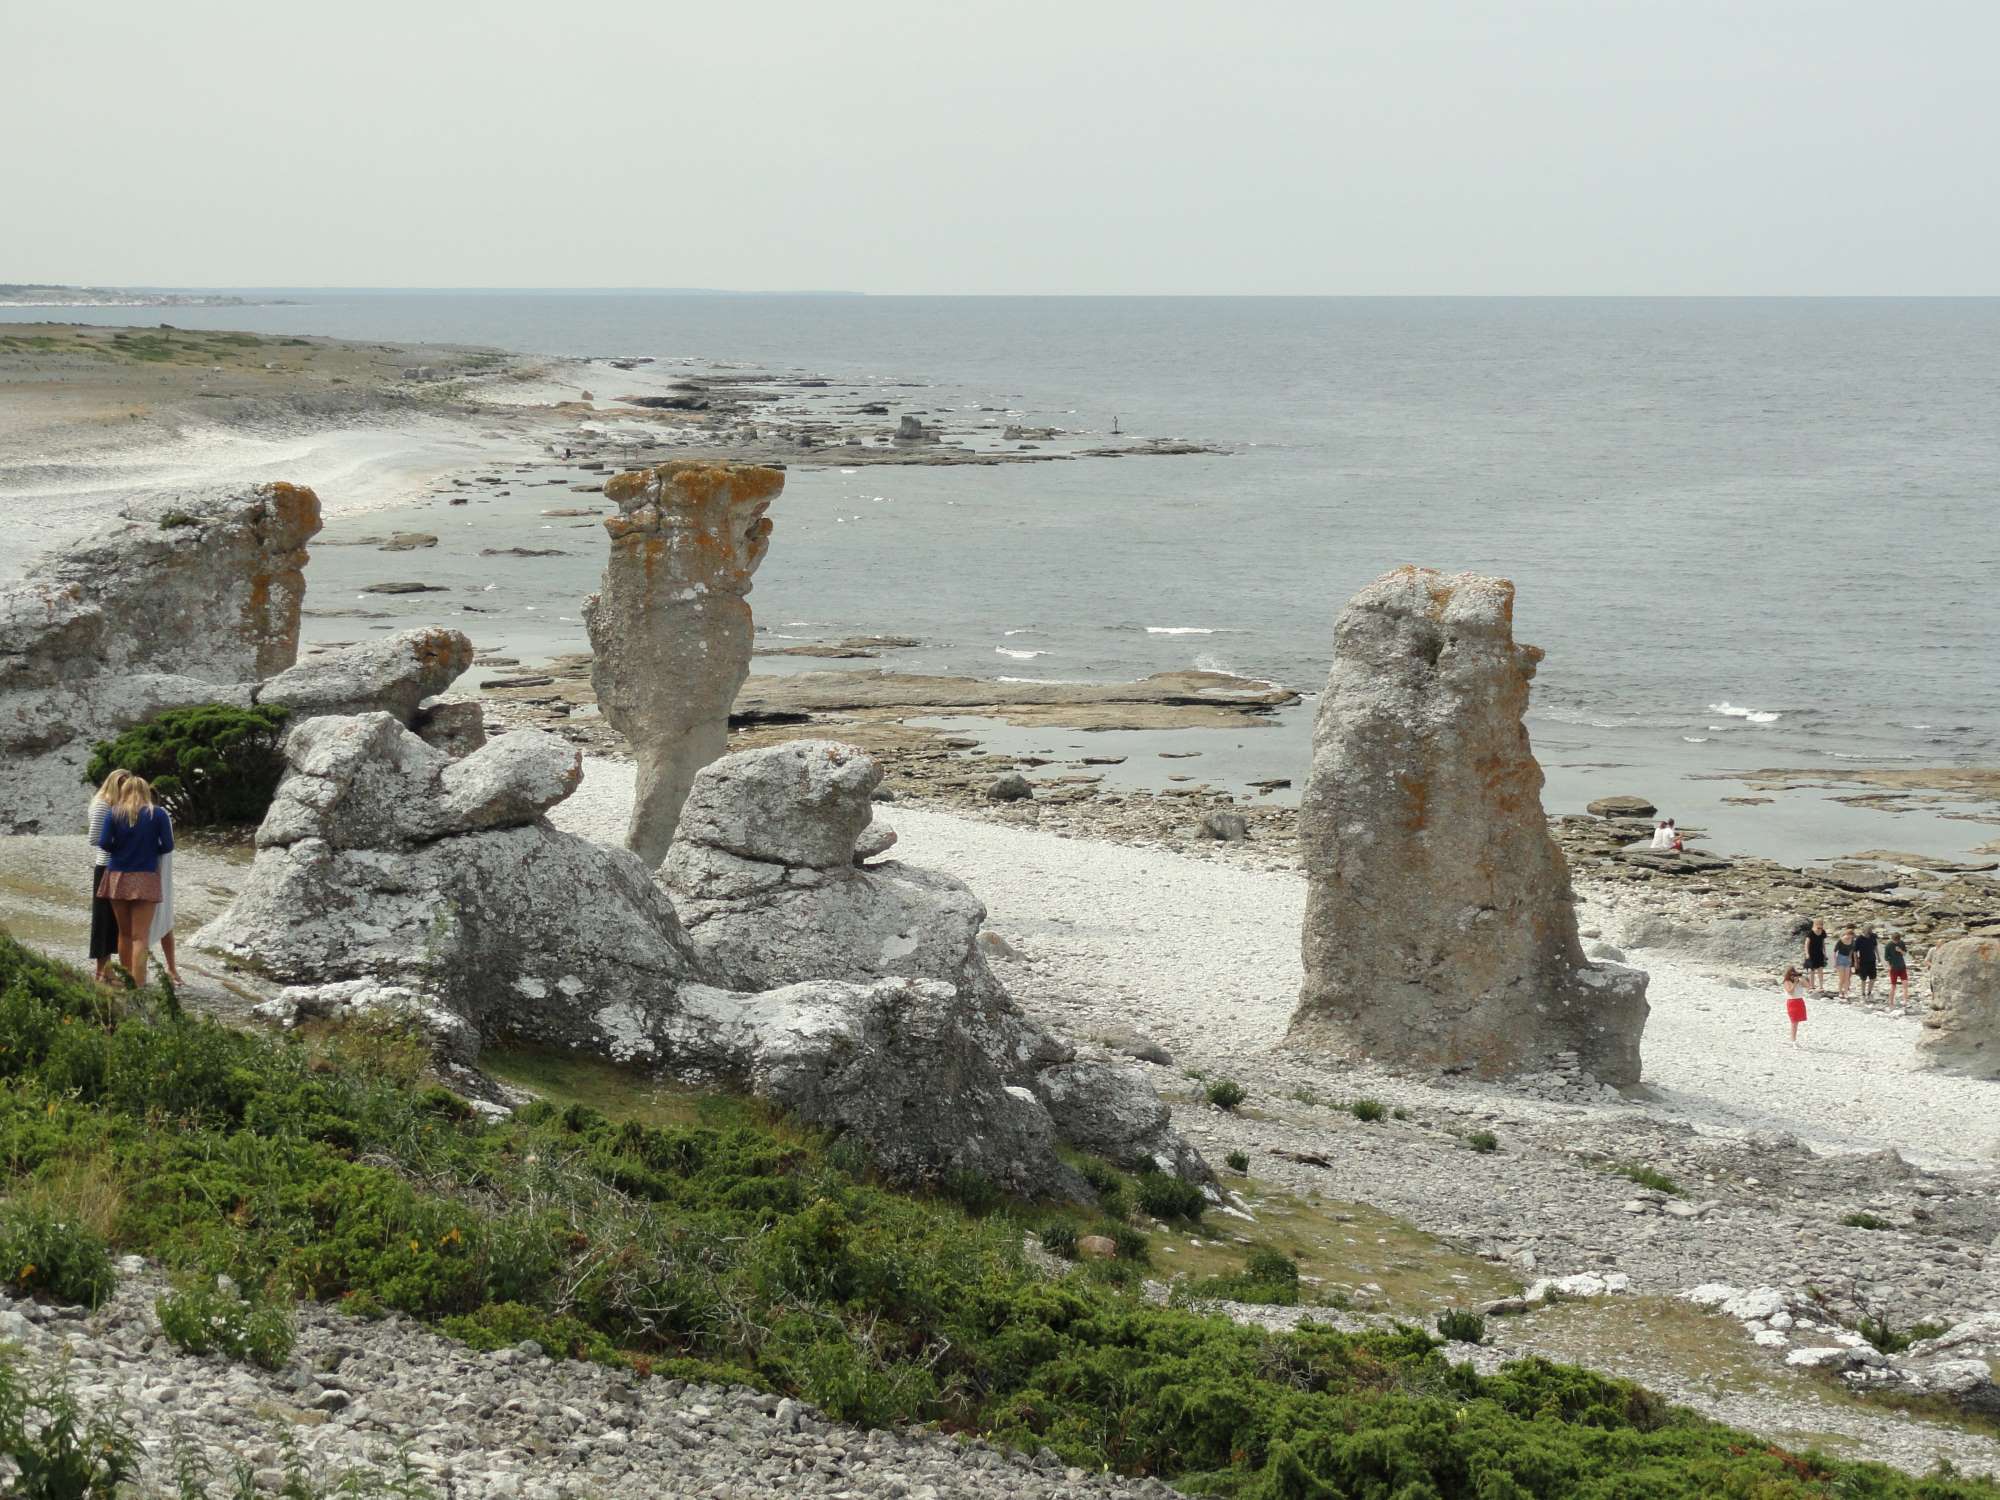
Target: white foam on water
1752,715
1018,655
1178,630
1695,739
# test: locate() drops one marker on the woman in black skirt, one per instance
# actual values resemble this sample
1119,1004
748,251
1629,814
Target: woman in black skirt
103,922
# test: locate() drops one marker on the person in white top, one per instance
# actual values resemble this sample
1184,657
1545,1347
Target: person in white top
1663,836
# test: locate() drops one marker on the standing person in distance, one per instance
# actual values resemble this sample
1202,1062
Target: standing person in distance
1864,962
135,835
1795,1003
1843,959
103,921
1816,956
1897,955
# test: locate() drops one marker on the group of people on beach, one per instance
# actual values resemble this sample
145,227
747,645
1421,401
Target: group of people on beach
132,881
1856,956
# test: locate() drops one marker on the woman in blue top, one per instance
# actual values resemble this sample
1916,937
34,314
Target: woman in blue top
134,837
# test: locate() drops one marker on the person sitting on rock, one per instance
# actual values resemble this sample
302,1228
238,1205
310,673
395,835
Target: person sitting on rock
1663,836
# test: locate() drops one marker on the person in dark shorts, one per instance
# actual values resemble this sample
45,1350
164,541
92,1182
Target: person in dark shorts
1795,1003
1896,954
1865,948
1843,959
1816,956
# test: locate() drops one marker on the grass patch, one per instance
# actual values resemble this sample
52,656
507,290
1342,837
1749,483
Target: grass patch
1367,1111
1270,1279
742,1250
1864,1220
1646,1177
1237,1162
1226,1093
1893,1340
1483,1141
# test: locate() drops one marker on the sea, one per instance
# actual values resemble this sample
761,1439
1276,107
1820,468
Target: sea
1748,533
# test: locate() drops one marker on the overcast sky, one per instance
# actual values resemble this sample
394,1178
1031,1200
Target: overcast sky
1298,146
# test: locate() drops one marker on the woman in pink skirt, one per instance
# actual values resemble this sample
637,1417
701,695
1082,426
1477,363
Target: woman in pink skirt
1795,1002
134,836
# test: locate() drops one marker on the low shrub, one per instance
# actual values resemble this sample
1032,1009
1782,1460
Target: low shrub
1109,1186
1226,1093
1400,1113
731,1247
209,765
44,1255
1132,1244
60,1453
1865,1220
209,1316
1270,1278
1892,1340
1483,1140
1368,1111
1457,1326
1059,1238
1646,1177
1238,1162
1166,1196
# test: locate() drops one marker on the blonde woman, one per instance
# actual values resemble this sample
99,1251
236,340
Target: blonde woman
103,922
135,835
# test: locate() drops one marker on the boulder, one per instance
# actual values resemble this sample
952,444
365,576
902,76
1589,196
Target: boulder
1621,807
393,675
1224,826
1439,929
457,726
1961,1029
670,626
183,600
380,860
1013,787
765,880
1757,942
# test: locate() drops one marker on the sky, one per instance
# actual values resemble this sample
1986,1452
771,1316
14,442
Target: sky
1538,147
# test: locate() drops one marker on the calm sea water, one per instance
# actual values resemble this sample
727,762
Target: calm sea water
1747,532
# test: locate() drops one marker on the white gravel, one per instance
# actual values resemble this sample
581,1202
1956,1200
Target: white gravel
1204,958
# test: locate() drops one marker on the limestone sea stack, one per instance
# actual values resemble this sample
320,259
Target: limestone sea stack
1961,1030
670,627
1439,930
184,599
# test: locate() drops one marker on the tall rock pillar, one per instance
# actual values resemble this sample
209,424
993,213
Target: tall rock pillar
670,627
1439,930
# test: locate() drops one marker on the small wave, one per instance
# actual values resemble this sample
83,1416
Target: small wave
1695,739
1045,681
1178,630
1018,655
1029,629
1752,715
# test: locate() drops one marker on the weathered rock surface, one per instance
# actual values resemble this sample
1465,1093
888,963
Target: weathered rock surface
392,882
670,627
1438,929
765,878
1621,807
181,601
1961,1030
393,676
380,860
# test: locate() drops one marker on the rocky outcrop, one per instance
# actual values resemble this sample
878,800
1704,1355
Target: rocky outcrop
1439,930
1961,1030
396,884
182,600
670,627
381,860
765,878
393,676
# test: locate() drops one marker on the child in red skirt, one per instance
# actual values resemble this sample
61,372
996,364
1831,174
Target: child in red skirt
1795,1002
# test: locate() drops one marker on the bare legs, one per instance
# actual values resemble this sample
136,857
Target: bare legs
1795,1033
135,931
167,952
1846,974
